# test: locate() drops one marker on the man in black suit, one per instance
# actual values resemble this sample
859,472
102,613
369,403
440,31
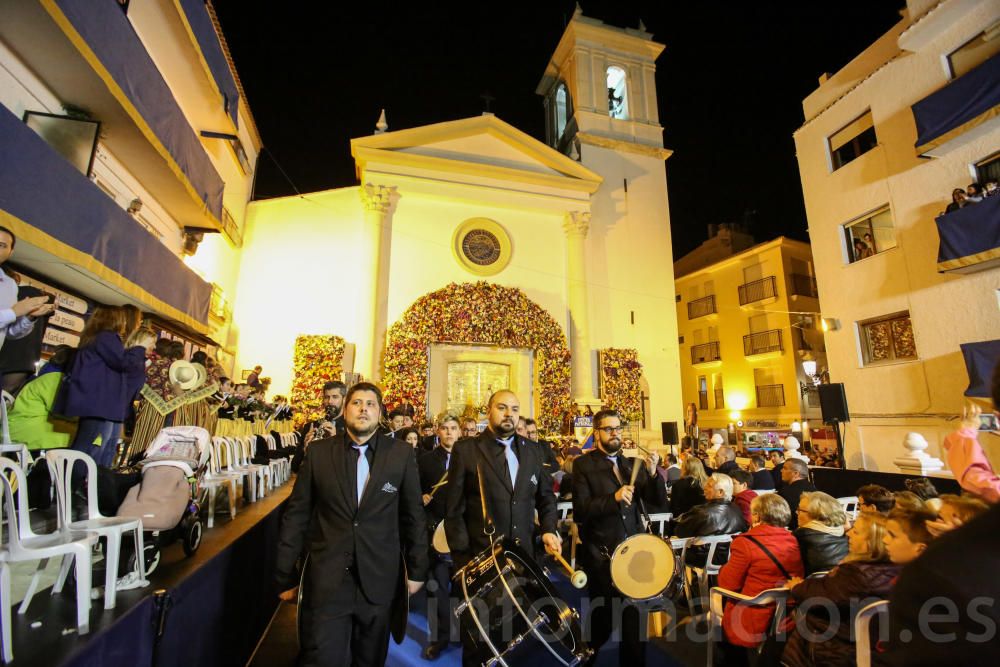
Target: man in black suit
726,460
355,505
515,484
795,481
608,509
433,465
330,425
551,462
762,478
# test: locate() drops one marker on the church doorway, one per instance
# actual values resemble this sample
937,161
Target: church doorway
461,378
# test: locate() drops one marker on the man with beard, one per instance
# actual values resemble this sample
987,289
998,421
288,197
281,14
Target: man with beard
331,424
607,508
515,484
432,467
356,504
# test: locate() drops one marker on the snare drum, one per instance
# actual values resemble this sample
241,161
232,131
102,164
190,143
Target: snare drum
440,540
514,613
644,567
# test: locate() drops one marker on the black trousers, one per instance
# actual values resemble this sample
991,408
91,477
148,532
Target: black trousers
610,611
439,599
344,630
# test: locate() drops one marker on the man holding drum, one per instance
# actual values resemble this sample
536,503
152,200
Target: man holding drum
608,489
513,481
433,467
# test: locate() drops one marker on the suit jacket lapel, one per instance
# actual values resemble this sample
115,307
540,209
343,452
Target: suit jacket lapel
487,447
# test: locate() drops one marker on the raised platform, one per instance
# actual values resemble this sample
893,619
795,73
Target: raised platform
219,603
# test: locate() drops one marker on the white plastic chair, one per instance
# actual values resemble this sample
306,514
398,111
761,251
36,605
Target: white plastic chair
565,510
246,446
8,650
231,466
850,505
283,464
19,449
25,545
862,631
215,479
701,574
61,463
716,606
764,492
258,475
660,521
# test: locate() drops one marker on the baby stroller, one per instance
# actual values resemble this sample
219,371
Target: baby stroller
167,497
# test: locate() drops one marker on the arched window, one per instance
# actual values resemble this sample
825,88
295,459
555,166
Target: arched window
561,110
617,93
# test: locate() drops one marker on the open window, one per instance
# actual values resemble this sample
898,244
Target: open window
617,93
562,110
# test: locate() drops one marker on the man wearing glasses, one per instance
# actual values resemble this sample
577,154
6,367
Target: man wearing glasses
606,505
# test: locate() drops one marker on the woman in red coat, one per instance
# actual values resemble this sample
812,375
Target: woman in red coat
751,570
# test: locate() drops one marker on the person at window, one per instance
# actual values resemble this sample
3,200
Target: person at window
876,499
974,193
689,491
861,250
958,200
764,557
821,531
870,242
991,188
865,575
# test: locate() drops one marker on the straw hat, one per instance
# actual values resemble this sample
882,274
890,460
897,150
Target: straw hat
184,374
202,375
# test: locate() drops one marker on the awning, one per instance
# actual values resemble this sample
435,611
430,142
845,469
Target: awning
964,104
207,42
69,229
980,360
970,237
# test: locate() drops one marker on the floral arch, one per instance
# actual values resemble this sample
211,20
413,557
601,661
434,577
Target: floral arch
477,313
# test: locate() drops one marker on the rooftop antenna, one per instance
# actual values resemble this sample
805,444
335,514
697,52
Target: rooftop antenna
487,98
381,126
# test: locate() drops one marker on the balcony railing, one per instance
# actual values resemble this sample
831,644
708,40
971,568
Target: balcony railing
970,238
703,400
959,112
720,399
758,290
763,342
770,396
701,307
803,285
704,353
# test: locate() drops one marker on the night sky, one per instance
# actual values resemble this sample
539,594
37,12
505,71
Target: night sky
730,85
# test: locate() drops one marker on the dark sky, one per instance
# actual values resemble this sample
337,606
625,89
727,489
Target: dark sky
730,84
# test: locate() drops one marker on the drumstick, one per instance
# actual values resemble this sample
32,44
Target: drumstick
577,577
441,482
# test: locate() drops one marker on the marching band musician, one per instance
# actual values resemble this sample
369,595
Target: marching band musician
515,483
433,466
356,503
606,506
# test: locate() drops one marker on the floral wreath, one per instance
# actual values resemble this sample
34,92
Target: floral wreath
620,382
471,313
317,361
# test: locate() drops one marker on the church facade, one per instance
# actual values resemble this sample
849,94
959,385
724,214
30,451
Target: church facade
473,256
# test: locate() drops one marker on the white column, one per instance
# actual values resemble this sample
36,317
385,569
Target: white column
576,225
376,200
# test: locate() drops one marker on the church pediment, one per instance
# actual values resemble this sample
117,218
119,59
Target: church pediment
481,146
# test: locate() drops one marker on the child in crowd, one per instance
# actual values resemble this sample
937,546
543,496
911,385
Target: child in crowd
954,512
907,535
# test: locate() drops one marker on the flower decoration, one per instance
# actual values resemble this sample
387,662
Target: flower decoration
317,361
471,313
620,382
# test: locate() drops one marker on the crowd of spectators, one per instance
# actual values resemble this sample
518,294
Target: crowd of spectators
972,194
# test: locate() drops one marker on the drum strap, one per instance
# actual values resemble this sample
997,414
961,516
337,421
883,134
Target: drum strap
769,555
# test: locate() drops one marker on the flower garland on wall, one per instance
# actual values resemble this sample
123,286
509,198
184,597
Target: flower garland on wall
620,385
477,313
317,361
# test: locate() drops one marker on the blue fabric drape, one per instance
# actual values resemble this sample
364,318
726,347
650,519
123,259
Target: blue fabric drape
969,236
41,188
108,33
980,360
974,95
211,48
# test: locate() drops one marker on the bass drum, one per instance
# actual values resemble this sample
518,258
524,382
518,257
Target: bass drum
644,567
440,541
514,613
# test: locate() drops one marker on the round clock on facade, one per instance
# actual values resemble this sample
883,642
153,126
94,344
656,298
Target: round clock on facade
481,246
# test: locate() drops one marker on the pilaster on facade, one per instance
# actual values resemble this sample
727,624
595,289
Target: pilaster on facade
576,224
377,198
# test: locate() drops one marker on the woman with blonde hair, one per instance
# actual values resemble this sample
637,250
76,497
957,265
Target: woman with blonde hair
821,531
865,575
689,490
107,372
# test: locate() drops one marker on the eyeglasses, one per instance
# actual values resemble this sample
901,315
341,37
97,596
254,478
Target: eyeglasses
612,429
